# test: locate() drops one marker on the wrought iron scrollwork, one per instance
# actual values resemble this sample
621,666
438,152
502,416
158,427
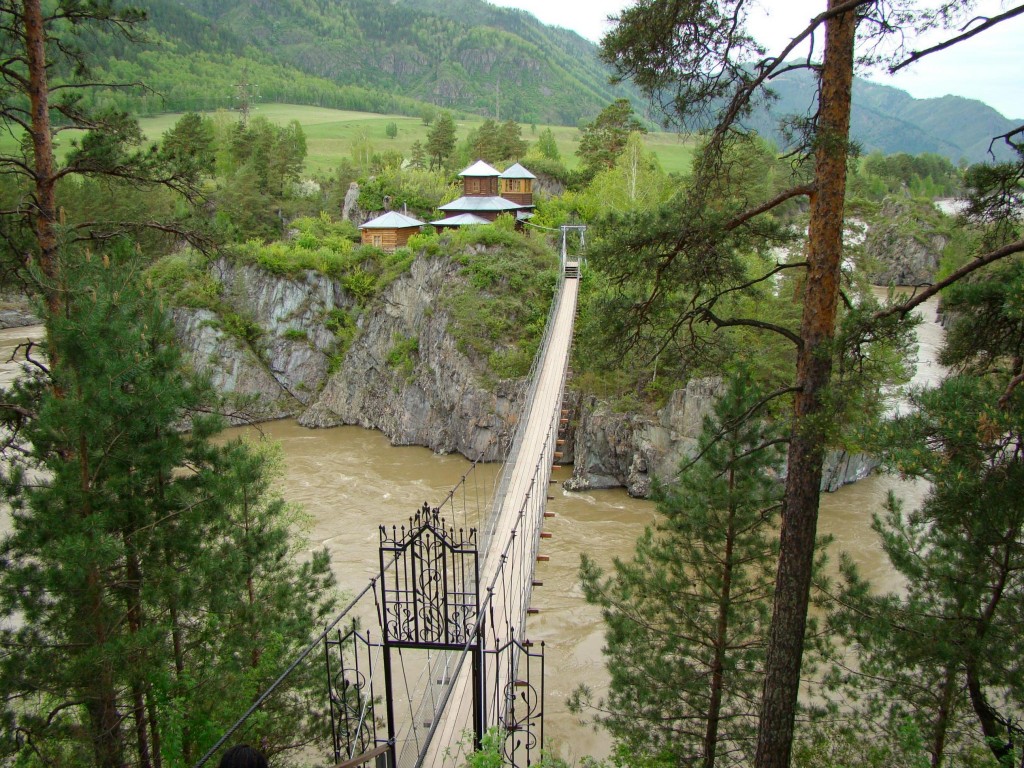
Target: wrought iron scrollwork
350,692
429,587
521,704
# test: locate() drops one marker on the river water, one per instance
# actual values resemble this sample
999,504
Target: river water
351,480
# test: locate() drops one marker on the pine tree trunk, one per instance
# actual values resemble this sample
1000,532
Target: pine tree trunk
814,368
101,693
721,643
941,726
42,148
135,620
154,731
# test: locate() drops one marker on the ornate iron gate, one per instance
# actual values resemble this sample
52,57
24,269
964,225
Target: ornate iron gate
429,597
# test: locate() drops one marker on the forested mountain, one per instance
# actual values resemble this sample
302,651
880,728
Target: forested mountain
366,54
467,55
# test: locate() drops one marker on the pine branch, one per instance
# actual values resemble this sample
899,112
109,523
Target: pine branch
987,24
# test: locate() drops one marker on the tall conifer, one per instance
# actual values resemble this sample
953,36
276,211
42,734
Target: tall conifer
687,617
148,589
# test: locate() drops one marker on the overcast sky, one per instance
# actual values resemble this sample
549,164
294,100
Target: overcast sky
989,67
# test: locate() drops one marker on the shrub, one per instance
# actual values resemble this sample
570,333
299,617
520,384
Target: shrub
243,328
403,355
185,280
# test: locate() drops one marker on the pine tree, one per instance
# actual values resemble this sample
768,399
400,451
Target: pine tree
418,158
486,142
190,144
700,62
687,617
511,144
603,140
158,562
441,140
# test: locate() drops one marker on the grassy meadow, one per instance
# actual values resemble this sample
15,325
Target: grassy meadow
330,134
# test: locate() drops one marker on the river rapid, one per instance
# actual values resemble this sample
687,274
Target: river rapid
351,480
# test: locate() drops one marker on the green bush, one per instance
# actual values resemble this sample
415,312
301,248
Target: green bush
403,355
499,310
362,285
184,280
343,325
243,328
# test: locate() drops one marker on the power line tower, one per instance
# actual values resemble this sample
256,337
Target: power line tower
245,94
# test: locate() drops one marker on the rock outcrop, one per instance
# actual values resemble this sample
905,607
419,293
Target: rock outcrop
283,367
279,362
903,245
287,362
435,399
612,449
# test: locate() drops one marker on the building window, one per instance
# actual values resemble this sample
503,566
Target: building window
378,240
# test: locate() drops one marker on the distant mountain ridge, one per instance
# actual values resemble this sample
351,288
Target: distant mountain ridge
467,55
890,120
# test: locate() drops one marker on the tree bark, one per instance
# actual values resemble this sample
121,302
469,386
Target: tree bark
721,641
42,149
941,725
814,368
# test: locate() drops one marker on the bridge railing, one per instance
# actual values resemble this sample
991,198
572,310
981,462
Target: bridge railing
508,702
349,647
504,478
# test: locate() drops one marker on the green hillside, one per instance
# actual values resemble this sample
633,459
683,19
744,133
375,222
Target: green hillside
409,57
360,54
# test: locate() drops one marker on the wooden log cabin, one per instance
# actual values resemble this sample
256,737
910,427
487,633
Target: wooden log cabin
390,231
484,195
516,184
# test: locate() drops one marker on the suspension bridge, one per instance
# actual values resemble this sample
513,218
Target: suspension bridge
432,653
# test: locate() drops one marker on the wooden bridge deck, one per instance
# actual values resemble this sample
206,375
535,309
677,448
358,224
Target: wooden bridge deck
536,453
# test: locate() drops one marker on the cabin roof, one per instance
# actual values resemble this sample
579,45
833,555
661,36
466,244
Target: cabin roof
480,168
460,220
392,220
470,204
516,171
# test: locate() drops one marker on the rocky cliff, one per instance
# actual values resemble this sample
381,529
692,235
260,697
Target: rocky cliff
612,449
434,398
286,365
904,244
290,363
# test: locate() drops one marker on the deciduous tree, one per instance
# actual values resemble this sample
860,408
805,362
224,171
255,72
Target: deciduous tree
547,146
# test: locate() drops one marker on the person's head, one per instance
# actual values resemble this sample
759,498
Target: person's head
243,756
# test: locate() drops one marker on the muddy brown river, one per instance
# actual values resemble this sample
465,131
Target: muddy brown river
351,480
